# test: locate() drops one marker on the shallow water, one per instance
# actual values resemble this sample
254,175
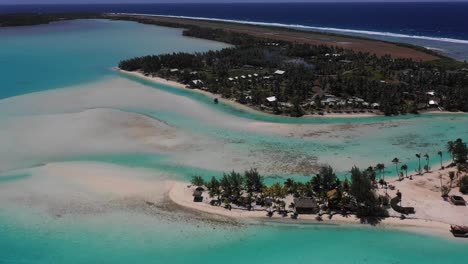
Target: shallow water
35,59
136,238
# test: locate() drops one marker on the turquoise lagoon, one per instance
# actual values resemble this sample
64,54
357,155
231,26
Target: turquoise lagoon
36,58
51,56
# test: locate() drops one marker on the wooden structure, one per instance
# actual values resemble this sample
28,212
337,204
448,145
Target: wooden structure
305,205
457,200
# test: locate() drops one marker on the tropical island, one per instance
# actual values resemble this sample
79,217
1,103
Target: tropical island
293,78
428,198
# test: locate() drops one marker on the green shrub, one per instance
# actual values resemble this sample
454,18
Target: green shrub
464,185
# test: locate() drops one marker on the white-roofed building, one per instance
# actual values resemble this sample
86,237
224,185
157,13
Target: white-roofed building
197,82
279,72
271,99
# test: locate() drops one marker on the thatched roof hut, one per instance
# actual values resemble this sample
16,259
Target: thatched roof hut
305,205
198,195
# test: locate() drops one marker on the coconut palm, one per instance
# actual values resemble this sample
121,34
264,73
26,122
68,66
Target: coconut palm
451,148
418,155
405,168
426,156
381,167
197,181
396,161
399,195
440,155
451,176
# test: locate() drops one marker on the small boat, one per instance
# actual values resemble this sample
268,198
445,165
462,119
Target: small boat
216,101
459,231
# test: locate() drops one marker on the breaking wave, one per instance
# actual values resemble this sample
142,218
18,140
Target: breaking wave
326,29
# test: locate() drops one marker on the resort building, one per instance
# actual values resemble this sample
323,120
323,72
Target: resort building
279,72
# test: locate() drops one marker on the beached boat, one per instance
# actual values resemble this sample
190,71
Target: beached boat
459,231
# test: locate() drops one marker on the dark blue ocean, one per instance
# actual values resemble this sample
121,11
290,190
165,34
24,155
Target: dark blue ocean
426,19
439,26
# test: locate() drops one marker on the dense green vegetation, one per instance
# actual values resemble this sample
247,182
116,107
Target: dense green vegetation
464,185
315,78
332,195
458,150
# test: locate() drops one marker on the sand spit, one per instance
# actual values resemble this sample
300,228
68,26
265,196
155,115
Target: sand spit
434,215
182,195
49,137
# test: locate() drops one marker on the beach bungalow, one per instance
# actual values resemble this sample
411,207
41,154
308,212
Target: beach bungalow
231,79
329,101
432,103
305,205
271,99
243,77
198,196
375,105
175,70
196,82
279,72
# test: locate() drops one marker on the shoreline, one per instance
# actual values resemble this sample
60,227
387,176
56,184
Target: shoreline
159,80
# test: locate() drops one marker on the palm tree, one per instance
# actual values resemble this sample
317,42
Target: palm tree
451,148
381,167
396,161
440,155
427,162
288,184
197,181
419,158
451,176
399,195
405,168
